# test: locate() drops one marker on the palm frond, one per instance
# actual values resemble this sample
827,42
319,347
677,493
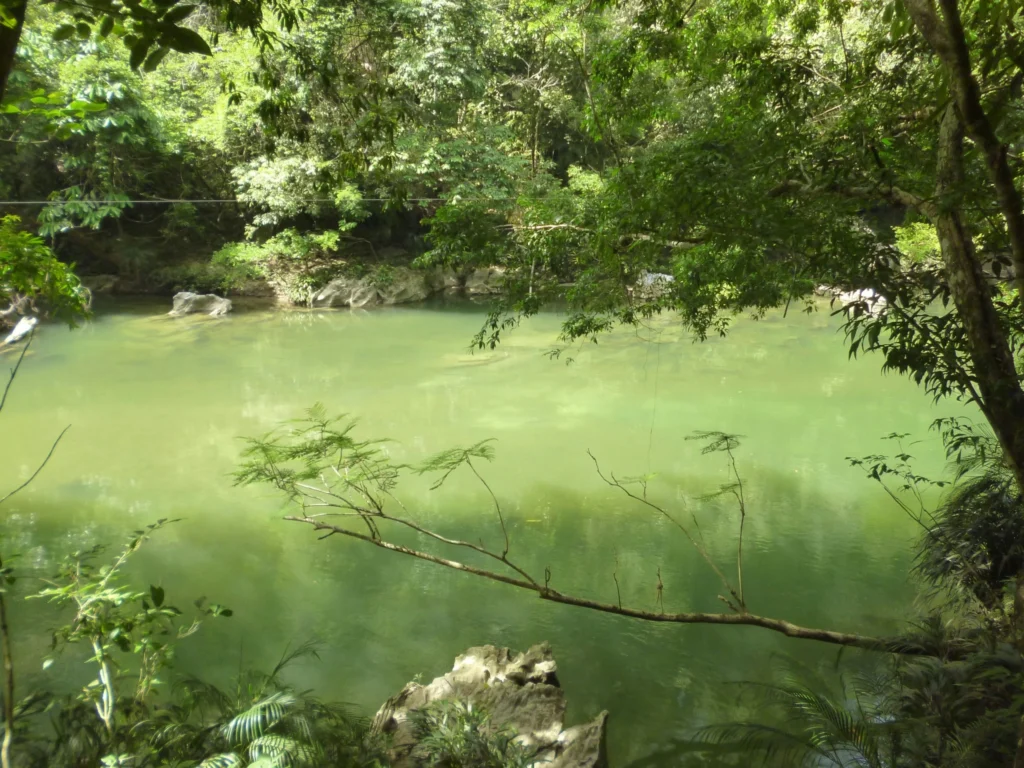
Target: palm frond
226,760
769,742
258,719
308,649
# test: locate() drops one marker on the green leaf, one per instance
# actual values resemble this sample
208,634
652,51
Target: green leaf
178,13
154,59
106,26
83,30
138,52
157,593
64,32
185,41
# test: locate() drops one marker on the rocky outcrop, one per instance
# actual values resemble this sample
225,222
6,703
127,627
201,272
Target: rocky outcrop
517,690
402,286
445,280
405,286
485,281
186,303
346,292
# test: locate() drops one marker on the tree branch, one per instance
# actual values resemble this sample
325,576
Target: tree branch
39,468
546,593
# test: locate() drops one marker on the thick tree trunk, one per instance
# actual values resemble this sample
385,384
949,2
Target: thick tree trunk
9,37
947,38
994,369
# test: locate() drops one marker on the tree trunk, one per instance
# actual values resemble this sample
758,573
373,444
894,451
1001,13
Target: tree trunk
947,38
9,37
994,369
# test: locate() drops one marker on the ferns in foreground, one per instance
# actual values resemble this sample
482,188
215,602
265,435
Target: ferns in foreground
455,734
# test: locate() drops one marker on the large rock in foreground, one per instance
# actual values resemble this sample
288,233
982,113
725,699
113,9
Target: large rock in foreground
186,303
517,690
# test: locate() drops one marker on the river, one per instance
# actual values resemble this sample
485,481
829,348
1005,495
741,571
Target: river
157,406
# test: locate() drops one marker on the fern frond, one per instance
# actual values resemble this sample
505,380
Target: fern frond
226,760
258,719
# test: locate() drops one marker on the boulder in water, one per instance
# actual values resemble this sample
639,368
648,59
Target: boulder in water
517,690
22,329
870,300
653,285
444,279
346,292
187,303
407,285
484,281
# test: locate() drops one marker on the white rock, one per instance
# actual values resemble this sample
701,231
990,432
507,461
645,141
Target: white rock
22,329
487,280
186,302
517,690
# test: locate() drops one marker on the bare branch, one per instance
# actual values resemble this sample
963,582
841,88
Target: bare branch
40,467
546,593
701,550
497,506
14,370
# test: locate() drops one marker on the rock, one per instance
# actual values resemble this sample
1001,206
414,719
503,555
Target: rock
520,691
485,281
346,292
22,329
873,302
653,285
406,286
444,279
101,283
186,303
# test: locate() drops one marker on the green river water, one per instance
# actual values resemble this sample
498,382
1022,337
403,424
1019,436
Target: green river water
157,406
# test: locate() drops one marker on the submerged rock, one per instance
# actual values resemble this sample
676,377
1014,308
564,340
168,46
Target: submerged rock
187,303
518,690
22,329
484,281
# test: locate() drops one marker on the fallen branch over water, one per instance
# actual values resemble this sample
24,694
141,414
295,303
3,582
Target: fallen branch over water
545,592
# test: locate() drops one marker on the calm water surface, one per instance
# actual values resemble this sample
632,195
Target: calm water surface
157,406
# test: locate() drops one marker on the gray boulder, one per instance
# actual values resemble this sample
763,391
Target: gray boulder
653,285
407,285
487,280
444,279
187,303
518,690
346,292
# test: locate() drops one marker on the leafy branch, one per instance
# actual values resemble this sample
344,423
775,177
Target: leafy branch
332,477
